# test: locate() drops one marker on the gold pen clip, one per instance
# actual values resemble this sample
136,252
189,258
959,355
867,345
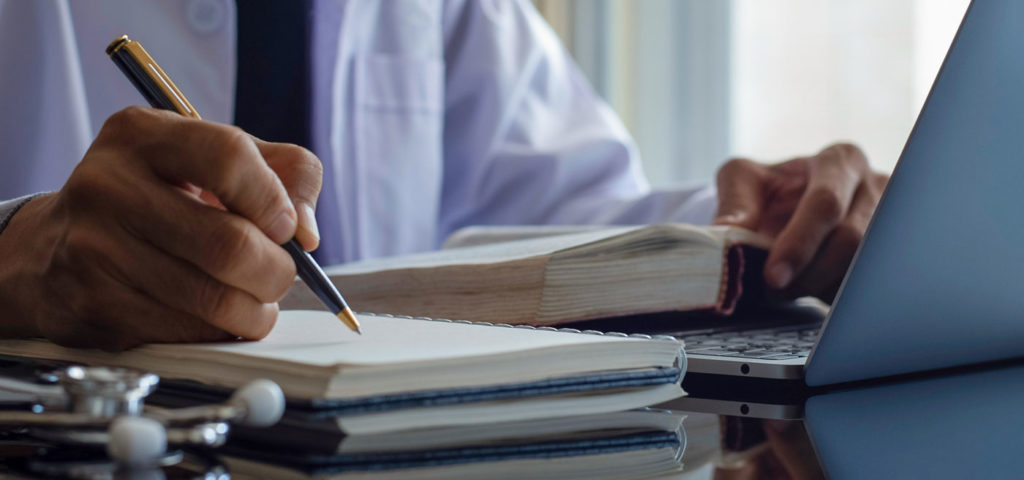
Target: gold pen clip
160,80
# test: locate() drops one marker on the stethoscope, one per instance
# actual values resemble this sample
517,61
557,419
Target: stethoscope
104,409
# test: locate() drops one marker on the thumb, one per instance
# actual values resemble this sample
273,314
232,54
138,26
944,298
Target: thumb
740,194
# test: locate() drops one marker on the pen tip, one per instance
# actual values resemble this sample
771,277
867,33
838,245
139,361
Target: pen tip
349,319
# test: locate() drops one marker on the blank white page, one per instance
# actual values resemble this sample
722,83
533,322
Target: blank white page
319,338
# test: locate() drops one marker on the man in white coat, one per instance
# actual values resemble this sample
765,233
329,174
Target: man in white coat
424,116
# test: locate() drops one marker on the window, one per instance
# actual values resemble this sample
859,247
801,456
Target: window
697,82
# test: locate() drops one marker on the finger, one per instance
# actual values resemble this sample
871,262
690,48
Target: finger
114,317
222,244
301,173
219,158
834,176
740,194
183,287
824,274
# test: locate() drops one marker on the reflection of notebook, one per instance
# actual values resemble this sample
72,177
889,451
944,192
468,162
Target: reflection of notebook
635,444
303,434
416,373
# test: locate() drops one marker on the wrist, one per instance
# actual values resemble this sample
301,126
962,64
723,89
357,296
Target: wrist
25,243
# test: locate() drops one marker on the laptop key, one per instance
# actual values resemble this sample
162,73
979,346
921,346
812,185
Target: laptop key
711,342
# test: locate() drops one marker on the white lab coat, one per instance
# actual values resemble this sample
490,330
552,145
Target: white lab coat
429,115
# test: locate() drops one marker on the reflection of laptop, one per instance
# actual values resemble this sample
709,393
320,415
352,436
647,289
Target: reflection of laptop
937,280
965,425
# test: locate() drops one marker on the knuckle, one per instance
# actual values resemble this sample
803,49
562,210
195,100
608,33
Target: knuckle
210,301
82,249
307,171
734,165
230,145
264,322
278,274
848,235
241,315
123,121
306,162
226,248
282,283
850,154
825,205
230,313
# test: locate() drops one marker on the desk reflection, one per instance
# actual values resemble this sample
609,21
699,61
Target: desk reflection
967,425
623,445
961,425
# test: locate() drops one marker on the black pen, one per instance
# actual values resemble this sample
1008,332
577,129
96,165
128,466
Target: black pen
160,92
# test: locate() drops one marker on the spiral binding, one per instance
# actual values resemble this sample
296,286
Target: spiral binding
679,363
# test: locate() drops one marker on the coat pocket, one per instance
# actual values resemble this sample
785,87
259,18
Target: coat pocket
398,120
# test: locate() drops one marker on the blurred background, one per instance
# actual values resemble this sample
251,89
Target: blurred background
700,81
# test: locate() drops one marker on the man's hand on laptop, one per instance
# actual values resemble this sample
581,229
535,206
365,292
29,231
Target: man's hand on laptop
816,208
167,230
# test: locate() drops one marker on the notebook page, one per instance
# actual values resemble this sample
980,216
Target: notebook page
319,338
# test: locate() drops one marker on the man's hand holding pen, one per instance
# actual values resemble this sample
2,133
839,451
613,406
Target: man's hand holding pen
127,252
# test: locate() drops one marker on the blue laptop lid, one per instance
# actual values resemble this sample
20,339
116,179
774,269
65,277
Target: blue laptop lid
939,278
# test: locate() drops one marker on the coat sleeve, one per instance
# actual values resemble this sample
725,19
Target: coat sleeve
528,141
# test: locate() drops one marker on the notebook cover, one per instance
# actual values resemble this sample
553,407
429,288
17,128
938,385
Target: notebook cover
184,392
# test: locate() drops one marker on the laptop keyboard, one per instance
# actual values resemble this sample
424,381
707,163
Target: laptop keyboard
784,343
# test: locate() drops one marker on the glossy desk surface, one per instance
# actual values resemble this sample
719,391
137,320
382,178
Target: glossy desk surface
966,424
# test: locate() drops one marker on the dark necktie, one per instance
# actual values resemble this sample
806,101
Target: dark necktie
272,99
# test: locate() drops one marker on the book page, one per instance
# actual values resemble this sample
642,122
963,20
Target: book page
483,235
483,254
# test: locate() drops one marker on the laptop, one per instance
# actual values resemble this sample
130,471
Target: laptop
937,280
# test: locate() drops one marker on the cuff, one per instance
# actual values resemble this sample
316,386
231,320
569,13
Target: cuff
9,207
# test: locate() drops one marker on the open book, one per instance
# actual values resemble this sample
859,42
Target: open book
555,275
406,373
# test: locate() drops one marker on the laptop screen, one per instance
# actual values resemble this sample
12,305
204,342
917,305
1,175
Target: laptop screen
938,278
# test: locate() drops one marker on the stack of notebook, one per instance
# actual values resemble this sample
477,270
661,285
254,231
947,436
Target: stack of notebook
387,396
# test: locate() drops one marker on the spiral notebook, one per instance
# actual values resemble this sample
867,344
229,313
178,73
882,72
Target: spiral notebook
405,373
